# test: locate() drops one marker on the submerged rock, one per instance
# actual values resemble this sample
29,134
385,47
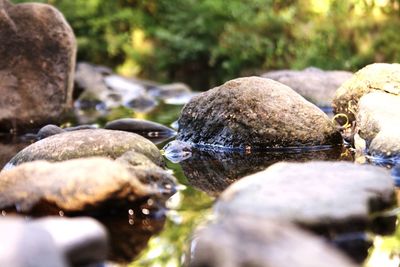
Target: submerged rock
243,242
86,143
313,84
323,196
378,123
252,113
375,77
37,65
51,242
78,185
153,131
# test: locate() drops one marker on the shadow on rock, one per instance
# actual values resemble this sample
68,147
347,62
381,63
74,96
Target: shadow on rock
212,172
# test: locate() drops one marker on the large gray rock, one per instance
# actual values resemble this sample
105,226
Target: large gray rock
244,242
255,112
313,84
375,77
81,184
378,123
317,195
86,143
37,65
52,242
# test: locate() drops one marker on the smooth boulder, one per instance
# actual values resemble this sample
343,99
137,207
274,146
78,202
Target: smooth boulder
244,242
86,143
375,77
37,64
80,185
316,85
251,113
321,196
378,123
52,242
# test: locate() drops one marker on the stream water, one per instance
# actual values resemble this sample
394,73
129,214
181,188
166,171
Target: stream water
162,238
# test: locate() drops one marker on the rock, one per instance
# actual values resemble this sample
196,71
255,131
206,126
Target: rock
172,90
79,185
24,245
212,172
254,113
51,129
37,65
153,131
86,143
81,241
105,88
247,242
313,84
375,77
52,242
378,121
307,194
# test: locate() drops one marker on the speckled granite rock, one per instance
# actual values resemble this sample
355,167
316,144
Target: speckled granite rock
86,143
254,112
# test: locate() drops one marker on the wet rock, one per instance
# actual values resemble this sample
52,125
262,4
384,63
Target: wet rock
177,151
81,241
308,194
52,129
375,77
313,84
212,172
51,242
254,113
78,185
104,88
27,246
153,131
37,65
378,121
86,143
262,243
170,90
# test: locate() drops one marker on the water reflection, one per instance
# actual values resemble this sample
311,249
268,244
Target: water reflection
11,145
212,172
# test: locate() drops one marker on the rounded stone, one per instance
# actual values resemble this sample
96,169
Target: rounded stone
255,112
37,65
86,143
308,194
79,185
375,77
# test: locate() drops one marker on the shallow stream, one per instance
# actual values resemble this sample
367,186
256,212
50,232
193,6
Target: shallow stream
162,237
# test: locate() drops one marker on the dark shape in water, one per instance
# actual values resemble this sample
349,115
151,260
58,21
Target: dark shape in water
212,172
355,245
9,146
153,131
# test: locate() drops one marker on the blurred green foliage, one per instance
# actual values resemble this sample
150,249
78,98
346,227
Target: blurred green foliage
206,42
